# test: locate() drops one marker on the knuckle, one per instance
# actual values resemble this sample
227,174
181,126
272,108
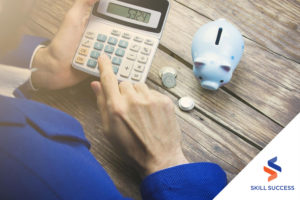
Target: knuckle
116,109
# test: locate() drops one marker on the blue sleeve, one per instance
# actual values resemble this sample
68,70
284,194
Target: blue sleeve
21,57
197,181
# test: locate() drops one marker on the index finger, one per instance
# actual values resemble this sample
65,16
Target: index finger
107,78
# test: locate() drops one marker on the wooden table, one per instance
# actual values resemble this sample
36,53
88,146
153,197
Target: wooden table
228,127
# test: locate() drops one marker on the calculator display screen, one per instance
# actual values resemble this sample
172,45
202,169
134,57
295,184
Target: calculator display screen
129,13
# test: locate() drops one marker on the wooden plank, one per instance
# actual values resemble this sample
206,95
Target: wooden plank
271,23
219,106
265,81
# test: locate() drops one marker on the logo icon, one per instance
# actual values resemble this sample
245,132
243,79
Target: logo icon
273,173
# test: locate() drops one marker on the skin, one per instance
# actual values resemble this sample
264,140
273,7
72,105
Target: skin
139,122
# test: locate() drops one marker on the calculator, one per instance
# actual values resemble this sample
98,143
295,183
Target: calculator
128,31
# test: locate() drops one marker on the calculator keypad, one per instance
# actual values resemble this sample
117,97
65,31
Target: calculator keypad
128,52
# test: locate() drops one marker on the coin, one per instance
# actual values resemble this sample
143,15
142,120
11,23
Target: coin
169,80
167,69
186,104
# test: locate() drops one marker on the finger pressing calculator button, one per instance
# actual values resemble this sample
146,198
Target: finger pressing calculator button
86,43
109,49
138,39
83,51
115,68
80,60
135,48
149,42
126,36
143,59
116,61
116,32
139,67
123,44
92,63
90,35
101,37
120,52
126,69
112,41
95,54
131,56
146,51
98,46
136,76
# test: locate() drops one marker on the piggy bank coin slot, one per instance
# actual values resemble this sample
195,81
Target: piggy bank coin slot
219,36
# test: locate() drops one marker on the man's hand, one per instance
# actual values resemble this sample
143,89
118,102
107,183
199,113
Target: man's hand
139,122
54,62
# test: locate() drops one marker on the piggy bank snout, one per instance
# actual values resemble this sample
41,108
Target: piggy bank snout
210,85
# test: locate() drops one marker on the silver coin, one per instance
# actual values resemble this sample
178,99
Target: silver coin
169,80
186,104
167,69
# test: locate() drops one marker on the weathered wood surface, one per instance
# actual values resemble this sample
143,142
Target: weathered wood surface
226,126
274,24
264,80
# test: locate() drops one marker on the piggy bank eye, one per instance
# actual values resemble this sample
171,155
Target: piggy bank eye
199,64
226,68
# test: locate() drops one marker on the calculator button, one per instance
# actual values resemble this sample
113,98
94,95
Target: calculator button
99,46
109,49
80,60
116,33
86,43
90,35
126,36
120,52
143,59
116,61
138,39
146,51
95,54
139,67
136,76
92,63
126,69
115,68
109,56
83,51
149,42
131,56
135,48
123,44
112,41
101,37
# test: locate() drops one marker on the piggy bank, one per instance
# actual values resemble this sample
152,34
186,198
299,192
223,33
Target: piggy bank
217,49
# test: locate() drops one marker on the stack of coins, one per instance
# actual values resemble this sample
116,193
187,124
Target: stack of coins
168,76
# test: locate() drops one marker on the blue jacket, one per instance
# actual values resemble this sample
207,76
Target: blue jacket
45,155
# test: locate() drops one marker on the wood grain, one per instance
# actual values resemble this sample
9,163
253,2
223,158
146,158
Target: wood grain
266,81
273,24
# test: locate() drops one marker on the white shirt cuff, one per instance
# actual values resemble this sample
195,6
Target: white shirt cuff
34,69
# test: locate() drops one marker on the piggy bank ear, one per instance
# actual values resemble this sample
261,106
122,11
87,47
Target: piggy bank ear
198,65
226,68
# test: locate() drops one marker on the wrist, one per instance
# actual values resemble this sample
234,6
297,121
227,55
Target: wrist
164,163
39,68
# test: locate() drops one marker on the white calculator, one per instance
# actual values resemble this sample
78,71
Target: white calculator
128,31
